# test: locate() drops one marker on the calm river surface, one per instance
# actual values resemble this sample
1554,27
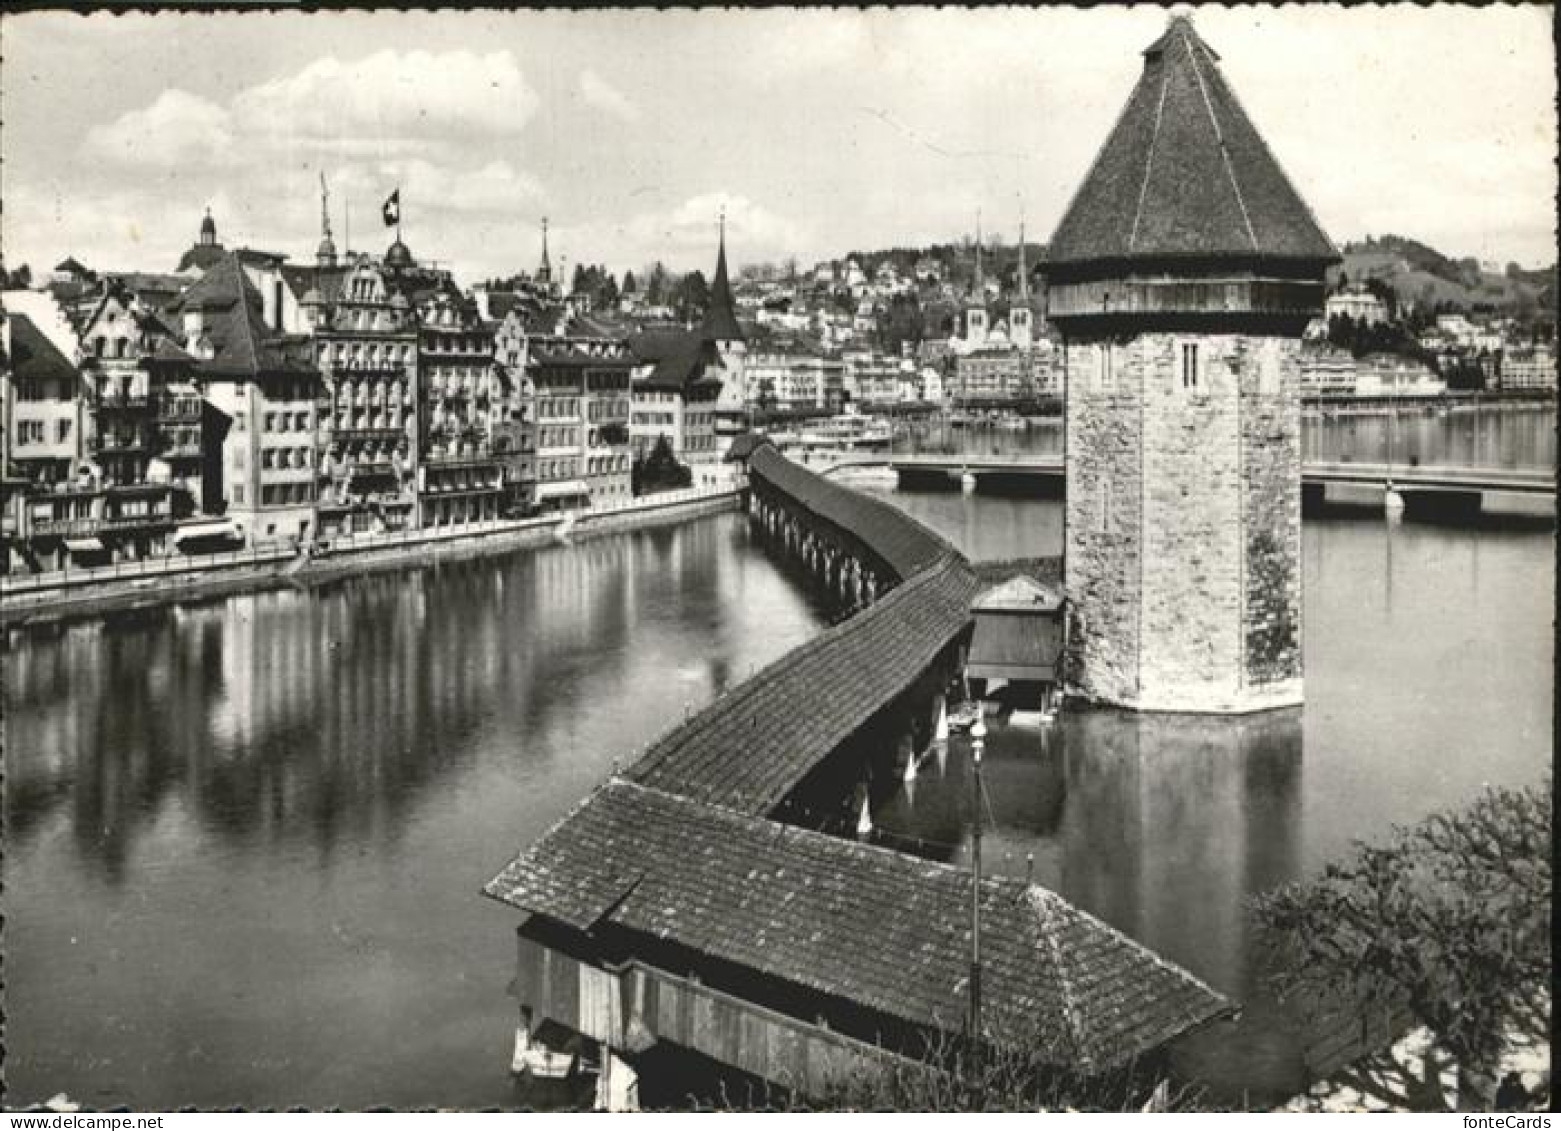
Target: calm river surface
244,839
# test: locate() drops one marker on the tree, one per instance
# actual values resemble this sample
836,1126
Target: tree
657,287
19,280
629,285
693,296
659,471
1448,920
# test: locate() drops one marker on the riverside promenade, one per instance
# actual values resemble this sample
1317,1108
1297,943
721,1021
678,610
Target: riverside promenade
65,594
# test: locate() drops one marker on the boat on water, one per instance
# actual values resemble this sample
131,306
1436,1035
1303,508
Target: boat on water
848,432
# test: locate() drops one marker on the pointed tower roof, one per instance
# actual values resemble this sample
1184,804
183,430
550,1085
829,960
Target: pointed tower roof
545,269
1024,272
721,323
1185,174
978,281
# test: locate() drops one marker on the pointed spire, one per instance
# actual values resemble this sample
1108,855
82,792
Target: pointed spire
545,271
1024,274
325,255
978,283
721,323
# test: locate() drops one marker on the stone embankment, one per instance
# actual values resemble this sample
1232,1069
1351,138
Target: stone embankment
71,594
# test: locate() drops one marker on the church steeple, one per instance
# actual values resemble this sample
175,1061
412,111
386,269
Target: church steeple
325,255
208,231
545,268
978,281
721,323
1024,273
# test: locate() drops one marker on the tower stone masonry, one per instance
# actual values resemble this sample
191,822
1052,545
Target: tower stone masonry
1181,278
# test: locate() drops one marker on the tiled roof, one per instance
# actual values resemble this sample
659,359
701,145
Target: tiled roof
33,355
245,346
657,345
750,748
887,931
688,366
1184,174
905,544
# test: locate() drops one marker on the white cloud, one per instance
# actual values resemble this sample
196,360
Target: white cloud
393,96
177,128
600,93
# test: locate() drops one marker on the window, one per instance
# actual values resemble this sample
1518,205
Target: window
1189,363
31,431
1103,365
238,493
61,431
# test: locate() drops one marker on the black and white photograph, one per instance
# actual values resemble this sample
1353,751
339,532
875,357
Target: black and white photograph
788,559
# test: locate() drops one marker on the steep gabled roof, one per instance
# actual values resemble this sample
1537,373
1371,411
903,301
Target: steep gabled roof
857,922
33,355
235,324
1185,174
687,365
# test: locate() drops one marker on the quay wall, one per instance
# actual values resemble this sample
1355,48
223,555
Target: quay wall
76,594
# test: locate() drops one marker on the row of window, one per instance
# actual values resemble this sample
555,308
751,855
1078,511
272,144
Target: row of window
371,354
553,470
281,458
36,431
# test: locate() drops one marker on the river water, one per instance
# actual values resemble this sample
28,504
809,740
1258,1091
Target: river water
244,839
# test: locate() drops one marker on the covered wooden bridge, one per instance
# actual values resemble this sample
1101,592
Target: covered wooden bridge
682,904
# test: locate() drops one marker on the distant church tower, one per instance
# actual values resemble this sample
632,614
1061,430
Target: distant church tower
1181,277
325,254
975,309
1020,331
545,268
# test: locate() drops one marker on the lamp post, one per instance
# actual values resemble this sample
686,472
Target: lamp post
977,747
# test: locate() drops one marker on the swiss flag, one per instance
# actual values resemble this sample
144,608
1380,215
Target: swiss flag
391,209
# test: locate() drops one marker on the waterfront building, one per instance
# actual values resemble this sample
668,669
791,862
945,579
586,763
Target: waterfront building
582,399
675,398
1182,276
264,388
692,387
1358,305
42,424
467,405
1531,368
144,418
366,339
992,373
1391,375
1327,372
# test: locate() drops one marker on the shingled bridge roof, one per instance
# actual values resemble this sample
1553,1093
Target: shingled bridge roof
1185,174
867,925
750,748
904,544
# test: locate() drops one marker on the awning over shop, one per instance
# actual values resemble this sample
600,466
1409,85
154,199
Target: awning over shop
216,528
84,545
568,489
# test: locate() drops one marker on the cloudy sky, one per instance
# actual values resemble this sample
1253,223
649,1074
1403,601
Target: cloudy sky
820,131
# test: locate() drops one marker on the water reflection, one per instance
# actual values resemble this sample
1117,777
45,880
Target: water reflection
325,715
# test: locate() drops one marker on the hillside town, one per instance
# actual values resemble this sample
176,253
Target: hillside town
248,397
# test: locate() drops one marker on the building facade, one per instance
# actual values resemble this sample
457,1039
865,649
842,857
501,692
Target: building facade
1182,304
366,349
582,399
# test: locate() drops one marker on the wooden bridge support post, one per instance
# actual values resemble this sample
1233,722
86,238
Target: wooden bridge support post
617,1085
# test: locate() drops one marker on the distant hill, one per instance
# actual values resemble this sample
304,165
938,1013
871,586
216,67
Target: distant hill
1421,274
